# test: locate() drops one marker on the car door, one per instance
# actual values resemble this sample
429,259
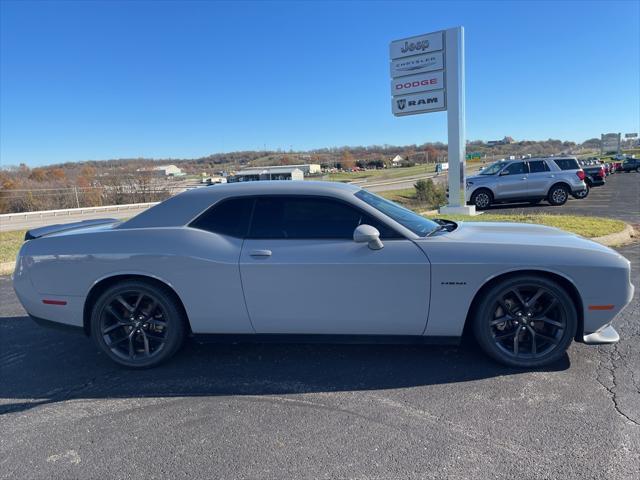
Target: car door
540,178
303,273
512,181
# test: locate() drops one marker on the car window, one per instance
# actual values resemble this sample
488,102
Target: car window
305,217
407,218
567,163
492,169
516,168
229,217
538,166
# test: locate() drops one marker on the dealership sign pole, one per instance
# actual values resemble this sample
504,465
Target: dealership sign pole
427,75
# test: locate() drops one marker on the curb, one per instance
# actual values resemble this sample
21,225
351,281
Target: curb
618,238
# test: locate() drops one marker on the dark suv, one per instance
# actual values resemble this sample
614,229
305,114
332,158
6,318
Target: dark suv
631,165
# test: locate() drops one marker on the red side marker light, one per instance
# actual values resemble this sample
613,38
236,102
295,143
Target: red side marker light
48,301
601,307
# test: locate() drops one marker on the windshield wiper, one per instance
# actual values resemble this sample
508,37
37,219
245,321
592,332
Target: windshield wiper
439,228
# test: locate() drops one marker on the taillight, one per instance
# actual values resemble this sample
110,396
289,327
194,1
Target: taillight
602,172
580,174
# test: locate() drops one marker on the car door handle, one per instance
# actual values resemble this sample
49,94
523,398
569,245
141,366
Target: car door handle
523,178
260,253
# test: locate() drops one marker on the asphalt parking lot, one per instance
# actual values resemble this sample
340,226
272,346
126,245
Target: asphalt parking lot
313,411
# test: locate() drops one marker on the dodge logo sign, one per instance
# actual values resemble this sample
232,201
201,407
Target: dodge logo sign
421,82
402,102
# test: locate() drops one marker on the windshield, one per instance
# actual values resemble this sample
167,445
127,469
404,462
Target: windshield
417,224
492,169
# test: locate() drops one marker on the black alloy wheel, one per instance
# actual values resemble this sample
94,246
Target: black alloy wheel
526,322
137,324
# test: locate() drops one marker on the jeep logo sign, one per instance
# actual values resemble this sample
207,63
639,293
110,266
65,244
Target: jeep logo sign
417,83
406,47
419,102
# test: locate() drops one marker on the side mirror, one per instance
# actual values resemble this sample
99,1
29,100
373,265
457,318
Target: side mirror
368,234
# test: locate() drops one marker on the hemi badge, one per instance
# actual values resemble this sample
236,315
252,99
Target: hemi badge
47,301
601,307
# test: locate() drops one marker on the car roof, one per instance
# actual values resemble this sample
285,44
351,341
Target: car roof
182,208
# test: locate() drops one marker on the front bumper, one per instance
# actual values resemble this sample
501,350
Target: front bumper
605,335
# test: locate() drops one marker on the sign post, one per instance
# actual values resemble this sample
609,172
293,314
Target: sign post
427,75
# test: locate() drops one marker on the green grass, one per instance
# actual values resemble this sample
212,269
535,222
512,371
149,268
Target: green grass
381,174
10,243
589,227
402,196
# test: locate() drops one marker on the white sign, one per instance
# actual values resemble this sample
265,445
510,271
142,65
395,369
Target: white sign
418,64
406,47
609,143
417,83
419,103
427,75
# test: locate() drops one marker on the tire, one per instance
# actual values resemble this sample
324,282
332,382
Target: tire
510,342
138,324
482,198
583,194
558,195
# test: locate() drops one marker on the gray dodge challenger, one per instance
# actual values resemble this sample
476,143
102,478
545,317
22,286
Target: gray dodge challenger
315,261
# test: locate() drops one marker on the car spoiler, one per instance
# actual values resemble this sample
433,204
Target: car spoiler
63,227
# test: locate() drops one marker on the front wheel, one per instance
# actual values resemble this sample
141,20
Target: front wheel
582,194
482,198
526,321
137,324
558,195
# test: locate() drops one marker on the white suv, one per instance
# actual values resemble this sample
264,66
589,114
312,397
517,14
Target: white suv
530,180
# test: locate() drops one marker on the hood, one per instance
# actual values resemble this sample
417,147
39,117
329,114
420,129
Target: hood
520,234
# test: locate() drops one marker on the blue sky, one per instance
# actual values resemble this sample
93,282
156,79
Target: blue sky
99,80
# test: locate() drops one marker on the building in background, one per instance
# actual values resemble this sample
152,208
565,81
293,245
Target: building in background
267,173
307,168
397,161
168,171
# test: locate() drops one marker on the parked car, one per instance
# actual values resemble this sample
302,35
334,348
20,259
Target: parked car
594,176
631,165
531,180
244,262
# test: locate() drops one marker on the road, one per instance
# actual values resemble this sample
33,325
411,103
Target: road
313,411
34,222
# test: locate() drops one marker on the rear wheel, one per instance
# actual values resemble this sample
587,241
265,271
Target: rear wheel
582,194
525,321
558,195
482,198
137,324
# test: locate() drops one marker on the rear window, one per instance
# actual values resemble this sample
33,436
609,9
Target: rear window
230,217
567,163
538,166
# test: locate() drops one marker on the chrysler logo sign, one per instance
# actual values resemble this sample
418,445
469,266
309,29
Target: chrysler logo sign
426,62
